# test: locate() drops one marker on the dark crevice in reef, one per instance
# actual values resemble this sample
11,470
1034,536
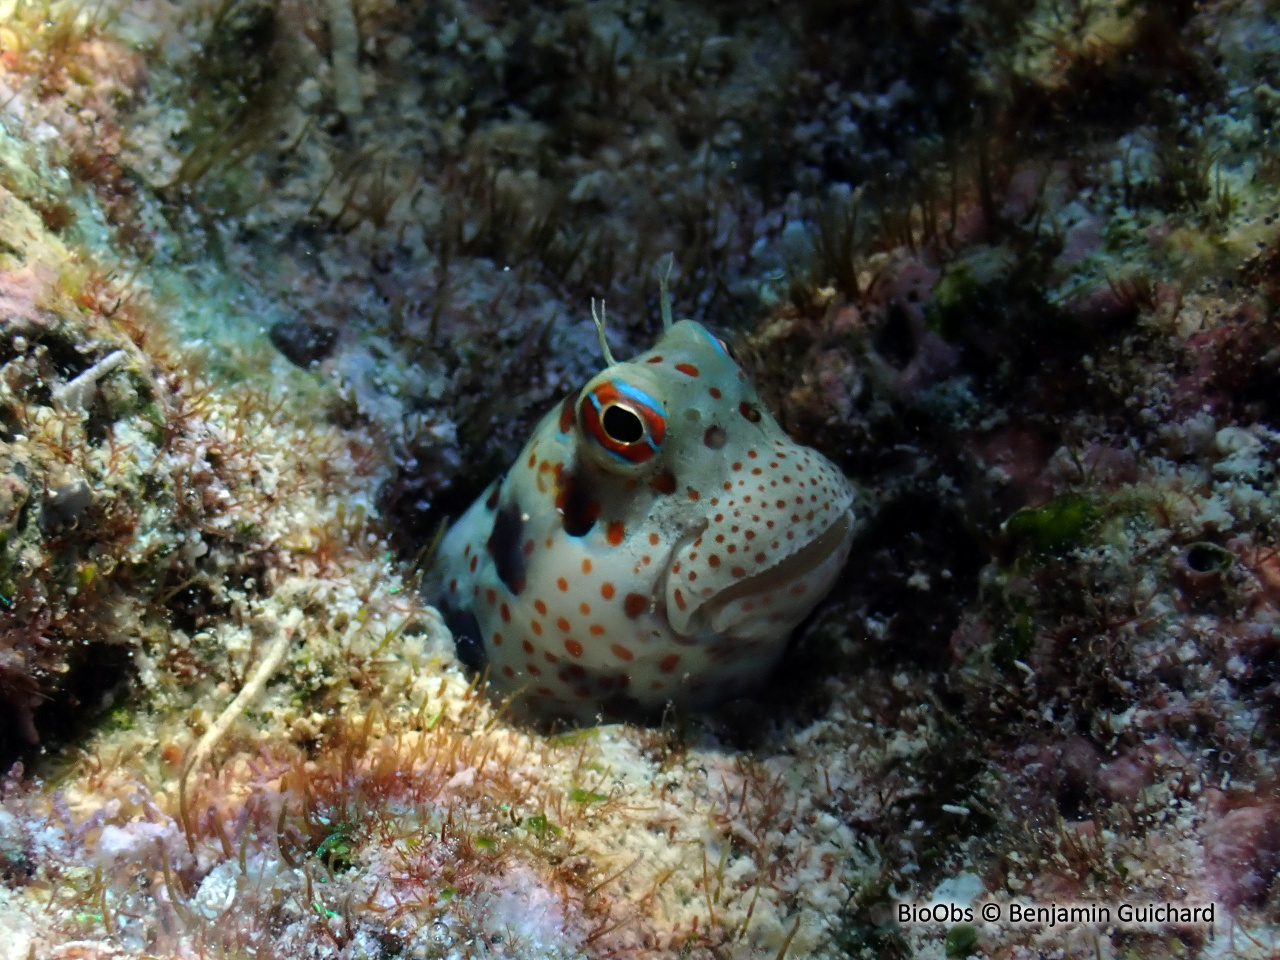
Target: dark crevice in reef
96,677
913,534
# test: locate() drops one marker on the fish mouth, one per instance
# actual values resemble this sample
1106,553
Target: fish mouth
797,567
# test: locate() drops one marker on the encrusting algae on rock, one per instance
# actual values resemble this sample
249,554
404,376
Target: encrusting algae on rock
656,541
1015,268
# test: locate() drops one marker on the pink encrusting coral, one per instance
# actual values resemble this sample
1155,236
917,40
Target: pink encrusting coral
1242,851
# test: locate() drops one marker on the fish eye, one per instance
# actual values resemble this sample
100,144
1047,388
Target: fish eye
622,424
624,421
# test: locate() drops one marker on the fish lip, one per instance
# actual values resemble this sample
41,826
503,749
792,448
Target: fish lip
789,569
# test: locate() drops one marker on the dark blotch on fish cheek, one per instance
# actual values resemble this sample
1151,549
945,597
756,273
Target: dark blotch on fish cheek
578,508
466,636
504,547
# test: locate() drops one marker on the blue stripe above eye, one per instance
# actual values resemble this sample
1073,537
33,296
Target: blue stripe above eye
715,341
638,395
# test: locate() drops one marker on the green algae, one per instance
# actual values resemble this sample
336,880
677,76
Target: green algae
542,828
961,941
1058,525
338,848
1016,634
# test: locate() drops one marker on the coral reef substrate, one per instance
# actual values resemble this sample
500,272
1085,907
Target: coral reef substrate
283,285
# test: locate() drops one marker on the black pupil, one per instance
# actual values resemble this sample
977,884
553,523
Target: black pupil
621,425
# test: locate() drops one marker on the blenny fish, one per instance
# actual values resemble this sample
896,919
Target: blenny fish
657,541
